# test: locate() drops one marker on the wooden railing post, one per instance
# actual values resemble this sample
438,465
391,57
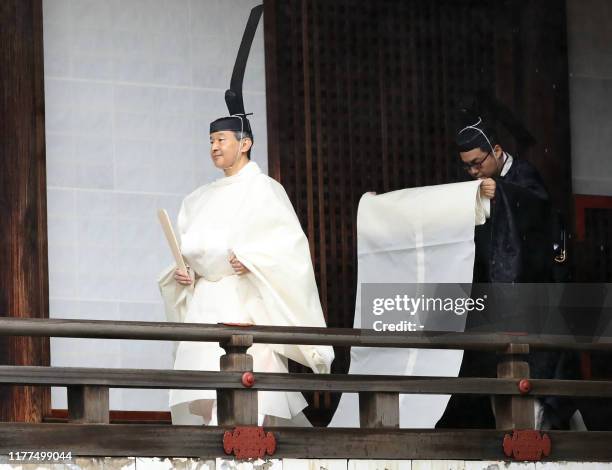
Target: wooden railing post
237,407
379,410
515,412
88,404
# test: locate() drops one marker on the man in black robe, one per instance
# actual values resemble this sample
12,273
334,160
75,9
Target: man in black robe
515,243
513,246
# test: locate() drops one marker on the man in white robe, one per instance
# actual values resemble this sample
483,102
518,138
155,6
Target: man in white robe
250,263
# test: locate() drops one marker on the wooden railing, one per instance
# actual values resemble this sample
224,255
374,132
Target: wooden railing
89,433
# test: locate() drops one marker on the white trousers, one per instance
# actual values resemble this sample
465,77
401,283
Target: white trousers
201,412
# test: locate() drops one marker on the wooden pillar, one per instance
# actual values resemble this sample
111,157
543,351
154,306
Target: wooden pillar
23,210
543,95
514,412
88,404
237,407
379,410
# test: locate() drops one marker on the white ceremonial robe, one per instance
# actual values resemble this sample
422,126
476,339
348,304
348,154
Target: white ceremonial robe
415,236
250,215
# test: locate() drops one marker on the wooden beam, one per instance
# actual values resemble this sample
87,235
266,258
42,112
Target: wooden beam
118,417
379,410
106,329
88,404
514,412
207,442
187,379
237,407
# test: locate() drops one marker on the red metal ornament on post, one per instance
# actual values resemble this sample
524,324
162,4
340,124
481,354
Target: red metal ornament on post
249,442
524,386
248,379
529,444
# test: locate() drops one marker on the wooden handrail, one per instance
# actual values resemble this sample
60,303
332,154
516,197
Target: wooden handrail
209,380
237,389
106,329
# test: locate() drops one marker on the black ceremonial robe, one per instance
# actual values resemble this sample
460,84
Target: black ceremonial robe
513,246
516,242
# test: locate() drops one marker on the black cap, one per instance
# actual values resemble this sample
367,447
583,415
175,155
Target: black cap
493,115
236,123
474,132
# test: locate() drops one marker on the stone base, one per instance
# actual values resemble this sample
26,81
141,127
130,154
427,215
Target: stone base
144,463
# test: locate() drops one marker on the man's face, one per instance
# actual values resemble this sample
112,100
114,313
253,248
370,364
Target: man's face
480,163
223,148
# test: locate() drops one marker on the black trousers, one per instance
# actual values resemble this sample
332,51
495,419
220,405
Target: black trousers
471,411
476,412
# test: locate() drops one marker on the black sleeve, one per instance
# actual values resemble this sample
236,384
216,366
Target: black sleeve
521,246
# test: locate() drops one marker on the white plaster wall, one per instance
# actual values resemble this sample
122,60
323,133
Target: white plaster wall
146,463
590,67
130,88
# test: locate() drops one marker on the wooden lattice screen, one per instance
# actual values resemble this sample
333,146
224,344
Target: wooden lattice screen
362,97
